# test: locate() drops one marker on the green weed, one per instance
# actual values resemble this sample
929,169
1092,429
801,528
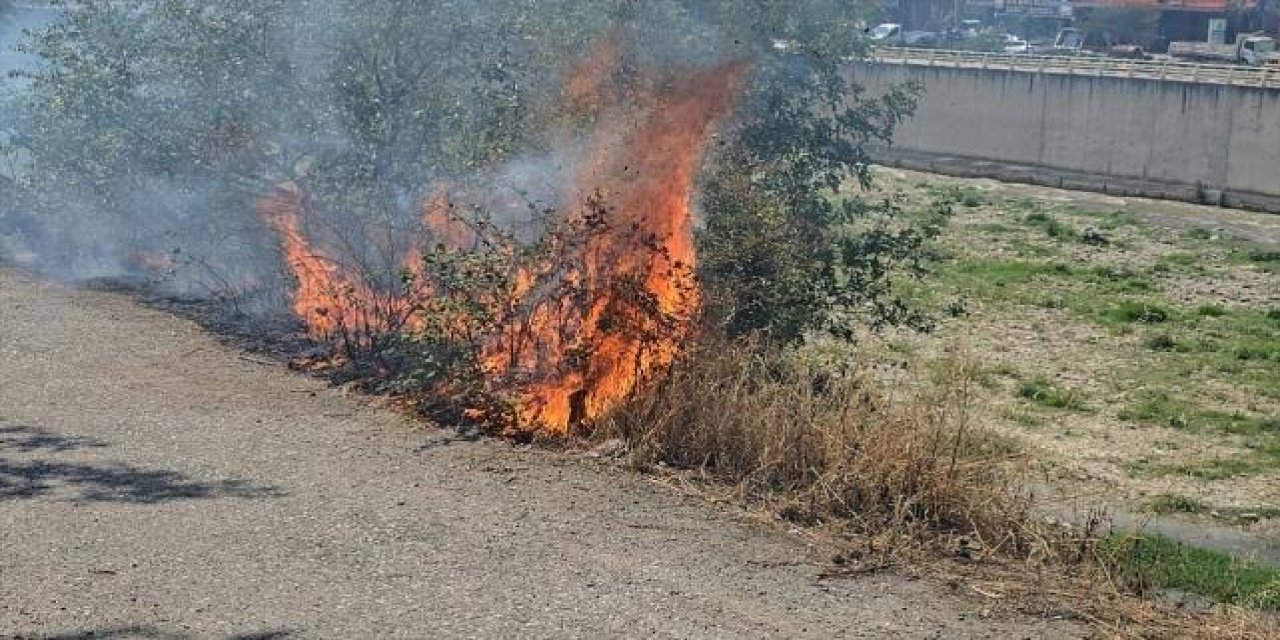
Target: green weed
1045,394
1167,503
1211,310
1129,311
1149,562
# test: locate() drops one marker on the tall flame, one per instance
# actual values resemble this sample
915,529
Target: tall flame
638,273
568,358
328,299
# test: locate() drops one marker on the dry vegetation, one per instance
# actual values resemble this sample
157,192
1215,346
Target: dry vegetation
1067,321
897,474
820,446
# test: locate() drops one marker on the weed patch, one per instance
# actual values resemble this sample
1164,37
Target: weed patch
1211,310
1147,563
1158,408
1052,227
1045,394
1163,342
1168,503
1129,311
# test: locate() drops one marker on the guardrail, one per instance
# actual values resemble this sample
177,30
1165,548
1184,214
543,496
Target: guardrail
1170,70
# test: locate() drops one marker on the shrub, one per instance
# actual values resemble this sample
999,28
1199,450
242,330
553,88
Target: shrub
972,198
1144,312
1162,342
957,308
1094,237
1051,225
1263,255
1167,503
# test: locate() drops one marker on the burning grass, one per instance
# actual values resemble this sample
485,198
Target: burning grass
562,329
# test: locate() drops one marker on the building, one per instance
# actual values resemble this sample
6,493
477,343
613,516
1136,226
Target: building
1186,19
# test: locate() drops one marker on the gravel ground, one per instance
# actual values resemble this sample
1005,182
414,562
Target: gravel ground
156,484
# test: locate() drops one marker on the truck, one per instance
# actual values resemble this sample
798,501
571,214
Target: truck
1255,50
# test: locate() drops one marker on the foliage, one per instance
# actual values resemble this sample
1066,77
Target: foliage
782,255
160,123
158,120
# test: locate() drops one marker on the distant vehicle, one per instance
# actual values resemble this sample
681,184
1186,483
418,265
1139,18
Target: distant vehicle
1069,39
892,33
889,31
1014,44
964,30
1254,50
1129,51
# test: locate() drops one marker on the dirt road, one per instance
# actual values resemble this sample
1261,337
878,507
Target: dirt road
156,484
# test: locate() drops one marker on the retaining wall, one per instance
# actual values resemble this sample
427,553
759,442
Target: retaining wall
1157,138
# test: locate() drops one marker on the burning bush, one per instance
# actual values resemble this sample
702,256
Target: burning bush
467,206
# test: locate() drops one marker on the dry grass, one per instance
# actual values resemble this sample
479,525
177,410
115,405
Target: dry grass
901,467
821,446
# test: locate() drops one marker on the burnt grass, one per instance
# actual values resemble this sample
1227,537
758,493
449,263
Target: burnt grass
275,335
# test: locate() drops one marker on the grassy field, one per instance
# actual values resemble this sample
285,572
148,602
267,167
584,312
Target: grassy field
1132,346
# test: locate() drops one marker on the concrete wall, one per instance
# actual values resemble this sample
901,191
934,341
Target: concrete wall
1207,137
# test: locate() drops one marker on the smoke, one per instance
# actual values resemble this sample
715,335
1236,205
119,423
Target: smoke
141,142
15,222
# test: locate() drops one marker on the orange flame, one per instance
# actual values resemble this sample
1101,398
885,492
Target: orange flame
327,299
638,273
568,358
448,229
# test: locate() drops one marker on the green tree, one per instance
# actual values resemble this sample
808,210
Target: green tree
790,247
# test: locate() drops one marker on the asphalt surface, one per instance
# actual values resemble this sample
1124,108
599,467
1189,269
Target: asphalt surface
156,484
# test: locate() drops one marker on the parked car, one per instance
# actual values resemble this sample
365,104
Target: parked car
1014,44
892,34
889,32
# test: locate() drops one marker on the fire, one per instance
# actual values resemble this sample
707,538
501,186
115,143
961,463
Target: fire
637,273
447,228
625,302
327,299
